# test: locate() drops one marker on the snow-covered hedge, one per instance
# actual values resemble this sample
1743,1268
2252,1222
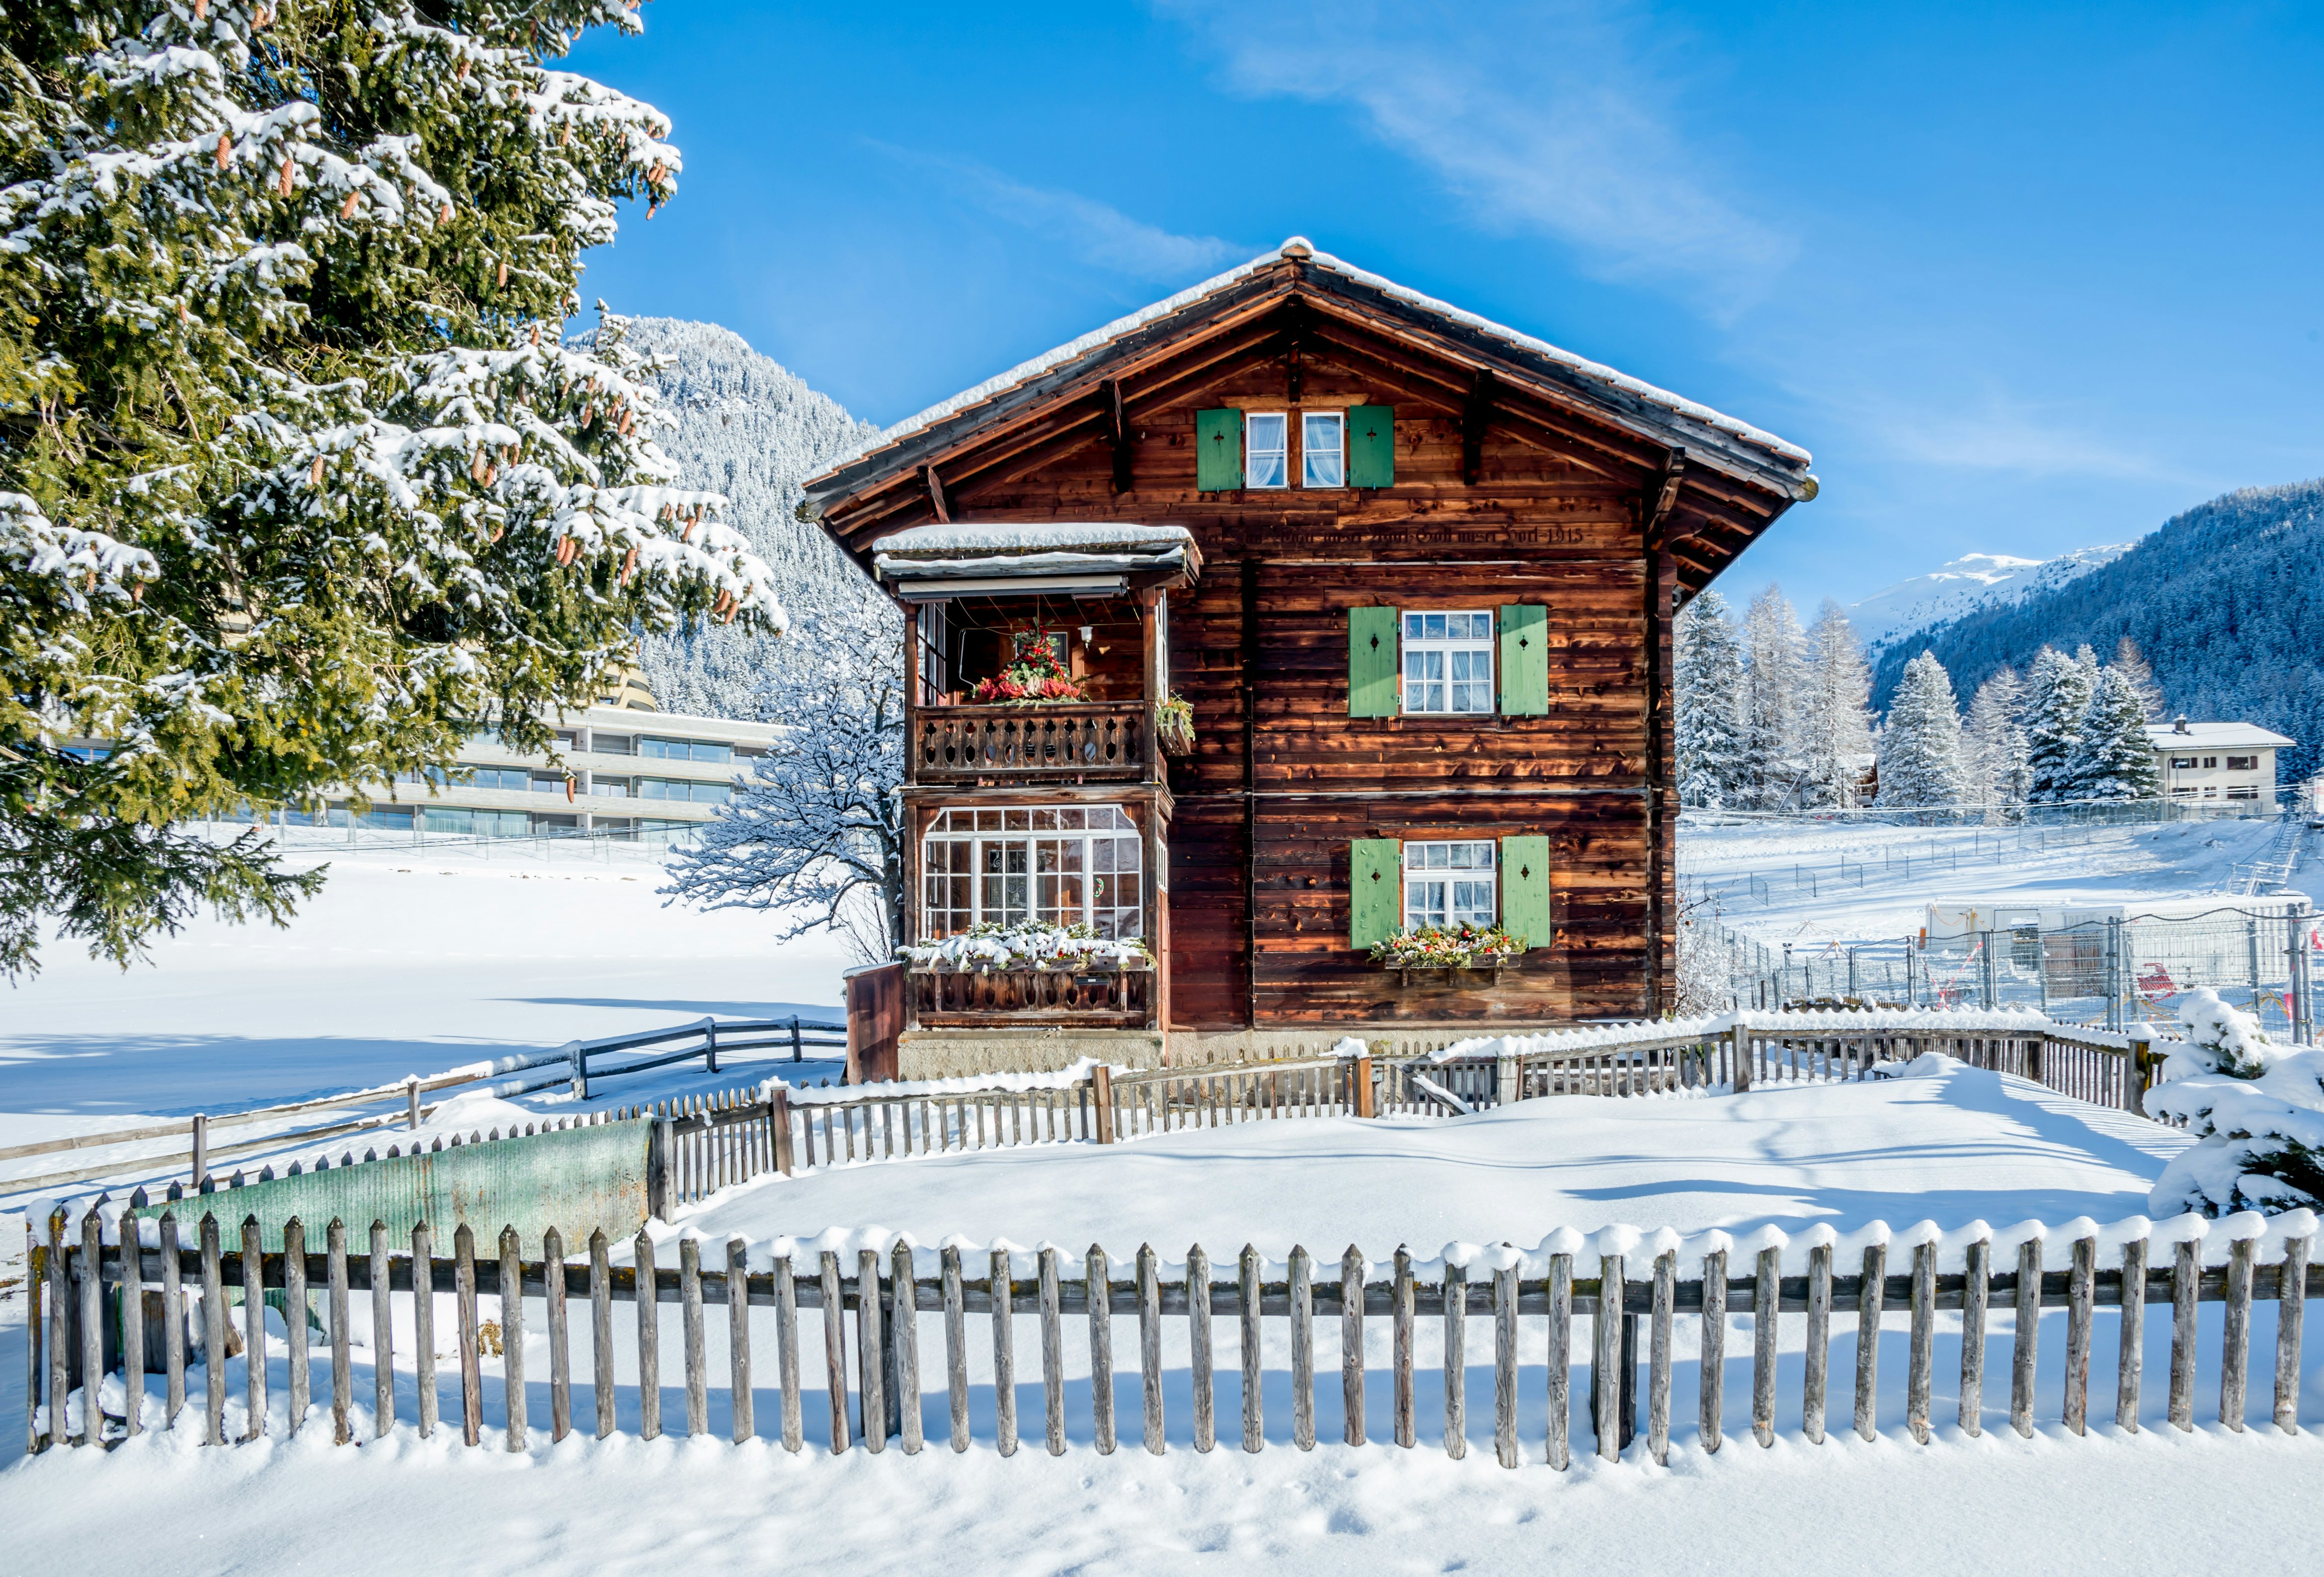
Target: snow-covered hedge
988,947
2258,1107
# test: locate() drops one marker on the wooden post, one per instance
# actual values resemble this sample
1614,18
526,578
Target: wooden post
1606,1357
1367,1101
1101,1093
382,1335
1099,1284
904,1347
1763,1308
1974,1289
2132,1361
1561,1359
690,1305
1456,1361
2081,1297
1254,1434
2234,1344
648,1321
213,1336
253,1328
1403,1300
342,1382
133,1318
1658,1361
779,1118
2028,1339
737,1290
2186,1275
1919,1374
787,1352
423,1326
1505,1365
1351,1345
1003,1272
560,1339
835,1351
955,1326
601,1329
1819,1353
173,1321
1052,1354
472,1381
1149,1345
1198,1342
2291,1308
871,1350
1870,1302
1711,1373
1302,1350
510,1287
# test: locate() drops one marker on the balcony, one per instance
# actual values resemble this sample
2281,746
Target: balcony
1061,743
1056,998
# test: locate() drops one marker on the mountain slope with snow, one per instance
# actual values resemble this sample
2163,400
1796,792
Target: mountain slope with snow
1974,581
753,430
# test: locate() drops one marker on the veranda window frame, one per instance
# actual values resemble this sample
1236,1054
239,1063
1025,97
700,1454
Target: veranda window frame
937,920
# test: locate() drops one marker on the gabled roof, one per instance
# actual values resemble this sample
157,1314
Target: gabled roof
1709,437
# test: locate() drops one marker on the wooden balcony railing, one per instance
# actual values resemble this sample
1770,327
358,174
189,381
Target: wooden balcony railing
1040,743
1064,998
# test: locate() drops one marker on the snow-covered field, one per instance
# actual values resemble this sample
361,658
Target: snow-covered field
411,965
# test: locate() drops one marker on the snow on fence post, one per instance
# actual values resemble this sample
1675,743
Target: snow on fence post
1505,1074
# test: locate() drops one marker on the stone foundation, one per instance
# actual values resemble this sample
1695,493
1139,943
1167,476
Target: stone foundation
951,1054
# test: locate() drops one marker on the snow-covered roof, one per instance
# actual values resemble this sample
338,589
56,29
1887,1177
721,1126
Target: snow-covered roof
2216,736
1034,536
1790,456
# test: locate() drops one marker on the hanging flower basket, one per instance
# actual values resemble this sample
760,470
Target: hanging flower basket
1173,726
1036,679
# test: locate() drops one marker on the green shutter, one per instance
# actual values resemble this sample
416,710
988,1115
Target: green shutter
1371,446
1525,661
1218,451
1525,890
1371,662
1376,890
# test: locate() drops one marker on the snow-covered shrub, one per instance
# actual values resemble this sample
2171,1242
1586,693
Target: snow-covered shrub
2258,1109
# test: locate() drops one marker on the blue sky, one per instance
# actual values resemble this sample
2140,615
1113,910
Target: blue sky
2025,278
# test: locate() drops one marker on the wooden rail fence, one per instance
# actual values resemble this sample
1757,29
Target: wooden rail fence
95,1307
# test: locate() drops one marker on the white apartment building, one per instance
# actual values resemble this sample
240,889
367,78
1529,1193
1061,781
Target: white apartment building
2215,761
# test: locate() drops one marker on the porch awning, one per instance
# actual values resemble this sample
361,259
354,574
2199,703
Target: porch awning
1092,559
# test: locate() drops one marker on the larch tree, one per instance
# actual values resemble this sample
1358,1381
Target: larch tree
1920,746
1993,743
2057,694
2113,758
1709,685
815,835
1775,682
1837,724
298,478
2132,665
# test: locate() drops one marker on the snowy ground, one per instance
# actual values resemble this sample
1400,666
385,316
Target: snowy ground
412,965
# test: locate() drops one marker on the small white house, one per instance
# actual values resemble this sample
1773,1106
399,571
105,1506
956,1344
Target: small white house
2216,760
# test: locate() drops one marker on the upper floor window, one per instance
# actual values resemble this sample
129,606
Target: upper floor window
1267,443
2182,762
1448,662
1322,448
1448,884
2243,763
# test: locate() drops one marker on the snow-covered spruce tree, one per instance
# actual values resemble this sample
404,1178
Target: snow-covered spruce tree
2257,1107
296,479
1709,684
2114,759
1773,689
1920,747
1993,743
1836,731
815,832
2057,694
2133,667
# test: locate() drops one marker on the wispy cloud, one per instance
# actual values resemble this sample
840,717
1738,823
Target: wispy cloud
1996,432
1541,118
1096,232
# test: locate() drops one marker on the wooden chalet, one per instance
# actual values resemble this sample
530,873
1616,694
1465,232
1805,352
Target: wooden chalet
1414,573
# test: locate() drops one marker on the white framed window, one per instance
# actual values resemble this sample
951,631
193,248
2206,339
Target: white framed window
1061,864
1448,884
1267,442
1324,449
1448,662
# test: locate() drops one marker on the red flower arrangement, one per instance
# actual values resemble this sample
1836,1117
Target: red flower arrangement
1035,677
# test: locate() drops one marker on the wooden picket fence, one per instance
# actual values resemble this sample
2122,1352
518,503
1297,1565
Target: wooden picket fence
92,1305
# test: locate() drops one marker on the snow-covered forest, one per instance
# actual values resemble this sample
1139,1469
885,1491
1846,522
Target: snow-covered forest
2220,600
1772,718
744,426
